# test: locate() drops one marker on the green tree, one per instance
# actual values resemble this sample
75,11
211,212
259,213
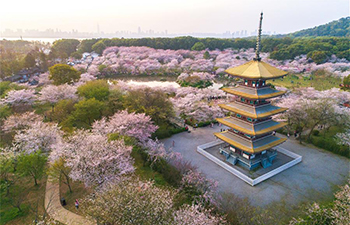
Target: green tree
198,46
62,73
86,112
98,47
98,89
318,56
63,109
29,60
151,102
115,101
206,55
6,171
346,82
60,172
64,47
5,111
86,45
4,86
76,55
32,165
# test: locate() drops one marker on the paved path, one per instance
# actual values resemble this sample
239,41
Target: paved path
315,178
55,209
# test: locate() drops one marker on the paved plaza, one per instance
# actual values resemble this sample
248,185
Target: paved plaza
315,178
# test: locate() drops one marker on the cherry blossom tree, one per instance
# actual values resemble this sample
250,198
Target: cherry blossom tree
308,108
52,93
20,97
93,159
343,138
39,136
131,202
44,79
192,179
335,213
136,125
20,121
196,215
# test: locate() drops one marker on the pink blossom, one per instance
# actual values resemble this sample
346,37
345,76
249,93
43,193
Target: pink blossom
136,125
93,159
20,97
52,93
21,121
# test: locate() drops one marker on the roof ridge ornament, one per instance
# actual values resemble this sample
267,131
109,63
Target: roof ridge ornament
258,40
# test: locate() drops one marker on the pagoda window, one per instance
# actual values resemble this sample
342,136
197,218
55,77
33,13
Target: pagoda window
242,99
249,119
245,156
232,149
257,83
247,135
253,83
238,115
234,130
263,83
245,82
251,102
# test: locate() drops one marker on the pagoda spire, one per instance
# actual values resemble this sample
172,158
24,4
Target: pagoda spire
258,40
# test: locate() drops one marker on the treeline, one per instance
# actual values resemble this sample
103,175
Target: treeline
16,55
280,48
316,48
337,28
187,42
19,54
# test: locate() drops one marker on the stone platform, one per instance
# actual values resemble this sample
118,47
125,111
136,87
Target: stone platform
284,160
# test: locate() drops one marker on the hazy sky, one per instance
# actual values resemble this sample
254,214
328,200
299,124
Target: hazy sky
180,16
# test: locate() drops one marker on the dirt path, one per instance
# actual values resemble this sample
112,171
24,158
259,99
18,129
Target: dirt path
55,209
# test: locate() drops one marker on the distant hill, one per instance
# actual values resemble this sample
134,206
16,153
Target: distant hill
336,28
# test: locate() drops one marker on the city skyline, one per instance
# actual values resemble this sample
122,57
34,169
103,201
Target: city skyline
177,17
53,33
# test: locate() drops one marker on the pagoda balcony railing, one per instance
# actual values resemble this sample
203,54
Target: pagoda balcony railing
241,134
237,99
255,87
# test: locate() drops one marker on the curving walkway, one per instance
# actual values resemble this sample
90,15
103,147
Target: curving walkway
55,209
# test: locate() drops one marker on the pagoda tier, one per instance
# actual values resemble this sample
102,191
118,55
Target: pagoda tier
252,111
252,129
248,145
251,139
265,92
256,69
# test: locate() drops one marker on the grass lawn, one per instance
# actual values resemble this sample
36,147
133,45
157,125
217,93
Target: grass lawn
325,139
33,201
144,171
319,82
79,192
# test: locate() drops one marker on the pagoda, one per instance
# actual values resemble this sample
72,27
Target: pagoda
251,139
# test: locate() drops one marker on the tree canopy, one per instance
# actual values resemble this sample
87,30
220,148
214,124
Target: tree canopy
62,74
97,89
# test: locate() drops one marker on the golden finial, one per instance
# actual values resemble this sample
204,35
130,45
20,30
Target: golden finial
258,40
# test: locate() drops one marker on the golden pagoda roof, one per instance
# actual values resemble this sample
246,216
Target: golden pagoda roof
254,112
254,93
251,146
250,128
256,69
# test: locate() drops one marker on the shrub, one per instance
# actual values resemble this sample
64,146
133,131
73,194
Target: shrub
316,132
329,144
